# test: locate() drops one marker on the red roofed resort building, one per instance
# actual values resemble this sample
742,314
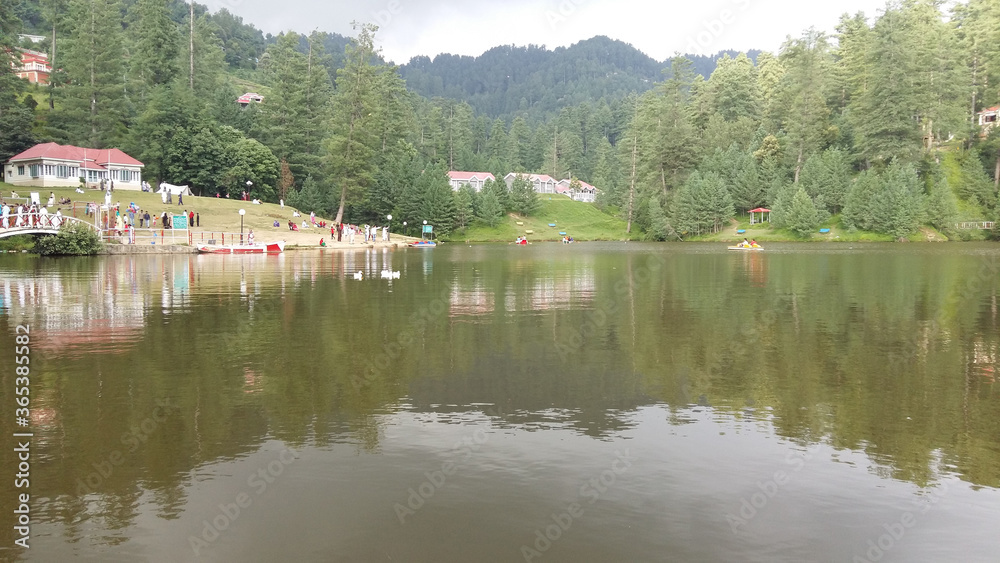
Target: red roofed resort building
34,67
52,165
458,178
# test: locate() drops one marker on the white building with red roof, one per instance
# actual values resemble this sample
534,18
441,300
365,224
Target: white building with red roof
586,192
34,67
245,99
543,183
458,179
52,165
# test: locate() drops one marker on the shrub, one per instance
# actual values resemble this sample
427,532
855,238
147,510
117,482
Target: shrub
73,240
17,243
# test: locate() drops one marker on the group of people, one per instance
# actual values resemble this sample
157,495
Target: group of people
567,239
371,232
748,244
25,215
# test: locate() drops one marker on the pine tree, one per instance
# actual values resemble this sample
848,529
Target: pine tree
490,209
15,118
154,46
666,131
801,217
496,145
827,175
941,206
464,212
803,93
523,198
658,226
311,198
436,200
351,147
733,88
95,109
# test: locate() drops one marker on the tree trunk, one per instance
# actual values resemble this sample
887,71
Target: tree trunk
93,83
996,172
798,163
343,185
631,189
191,40
52,65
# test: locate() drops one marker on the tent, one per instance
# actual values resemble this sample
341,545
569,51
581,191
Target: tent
174,190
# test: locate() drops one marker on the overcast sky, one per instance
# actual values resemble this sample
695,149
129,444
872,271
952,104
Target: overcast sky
470,27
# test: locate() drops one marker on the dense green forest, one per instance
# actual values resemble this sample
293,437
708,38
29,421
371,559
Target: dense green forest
875,124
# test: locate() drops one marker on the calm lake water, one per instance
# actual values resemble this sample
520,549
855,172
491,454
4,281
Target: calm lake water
591,402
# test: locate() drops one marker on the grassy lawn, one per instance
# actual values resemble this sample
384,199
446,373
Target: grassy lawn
216,214
582,221
764,232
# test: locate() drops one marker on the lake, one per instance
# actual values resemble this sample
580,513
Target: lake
552,403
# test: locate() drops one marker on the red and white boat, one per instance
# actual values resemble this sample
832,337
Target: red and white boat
268,248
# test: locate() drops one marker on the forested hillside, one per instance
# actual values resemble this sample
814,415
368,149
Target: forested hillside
535,82
876,124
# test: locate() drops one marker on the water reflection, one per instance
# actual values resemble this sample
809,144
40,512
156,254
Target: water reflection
887,360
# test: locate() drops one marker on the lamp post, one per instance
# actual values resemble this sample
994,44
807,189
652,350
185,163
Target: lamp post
242,213
404,229
422,232
389,232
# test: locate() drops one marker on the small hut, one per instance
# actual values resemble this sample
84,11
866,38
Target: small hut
753,217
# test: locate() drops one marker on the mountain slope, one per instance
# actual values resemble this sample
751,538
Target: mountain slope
535,82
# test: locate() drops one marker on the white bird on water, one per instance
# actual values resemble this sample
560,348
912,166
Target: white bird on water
389,275
359,275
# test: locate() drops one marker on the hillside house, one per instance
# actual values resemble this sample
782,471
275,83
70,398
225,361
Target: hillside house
248,98
51,165
543,183
34,67
586,192
458,179
988,119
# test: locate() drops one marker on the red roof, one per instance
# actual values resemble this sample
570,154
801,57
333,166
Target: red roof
992,109
103,157
760,210
466,176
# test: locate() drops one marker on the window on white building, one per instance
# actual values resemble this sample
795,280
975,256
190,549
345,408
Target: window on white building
20,170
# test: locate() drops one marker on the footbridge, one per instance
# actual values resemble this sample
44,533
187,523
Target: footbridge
40,224
970,225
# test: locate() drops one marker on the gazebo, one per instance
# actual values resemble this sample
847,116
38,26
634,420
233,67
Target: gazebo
762,211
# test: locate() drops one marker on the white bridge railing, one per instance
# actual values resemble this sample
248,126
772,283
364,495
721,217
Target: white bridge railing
983,225
38,223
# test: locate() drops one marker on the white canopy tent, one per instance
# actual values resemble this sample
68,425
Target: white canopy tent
174,190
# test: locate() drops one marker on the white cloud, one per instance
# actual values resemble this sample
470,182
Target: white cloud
426,27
